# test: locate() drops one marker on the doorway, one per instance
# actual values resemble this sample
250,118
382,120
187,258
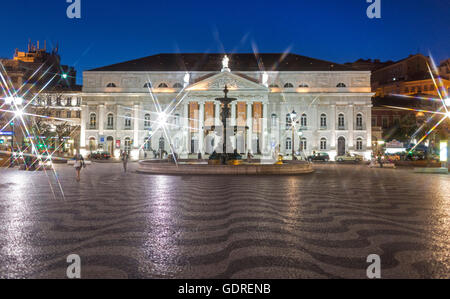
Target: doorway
110,145
341,146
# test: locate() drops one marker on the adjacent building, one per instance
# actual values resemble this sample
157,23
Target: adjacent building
46,88
125,105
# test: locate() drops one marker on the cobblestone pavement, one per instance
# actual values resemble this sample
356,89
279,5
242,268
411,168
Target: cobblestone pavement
322,225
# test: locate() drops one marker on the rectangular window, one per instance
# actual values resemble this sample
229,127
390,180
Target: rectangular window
396,120
385,122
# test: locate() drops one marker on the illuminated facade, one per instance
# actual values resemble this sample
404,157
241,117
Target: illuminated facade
332,103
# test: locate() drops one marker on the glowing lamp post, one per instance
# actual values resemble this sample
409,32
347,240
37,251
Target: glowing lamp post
14,103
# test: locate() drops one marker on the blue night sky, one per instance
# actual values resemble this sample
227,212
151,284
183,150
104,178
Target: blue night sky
336,30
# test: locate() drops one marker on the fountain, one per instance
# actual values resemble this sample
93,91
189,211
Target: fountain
224,163
224,157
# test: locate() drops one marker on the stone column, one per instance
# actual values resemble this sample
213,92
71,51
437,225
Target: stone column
332,125
101,119
264,132
369,126
250,127
201,133
217,114
233,113
83,122
350,122
136,112
186,127
233,123
119,120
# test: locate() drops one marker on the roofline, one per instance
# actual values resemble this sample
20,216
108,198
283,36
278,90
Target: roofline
224,53
235,72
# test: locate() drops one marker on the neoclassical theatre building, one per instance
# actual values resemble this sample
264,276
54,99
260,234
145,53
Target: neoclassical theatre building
166,102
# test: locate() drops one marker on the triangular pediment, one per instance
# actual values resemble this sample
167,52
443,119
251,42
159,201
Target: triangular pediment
232,81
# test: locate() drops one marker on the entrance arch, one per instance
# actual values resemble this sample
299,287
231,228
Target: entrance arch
92,144
341,146
162,143
110,144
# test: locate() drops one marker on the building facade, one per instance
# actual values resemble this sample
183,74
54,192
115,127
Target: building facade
31,73
167,103
58,119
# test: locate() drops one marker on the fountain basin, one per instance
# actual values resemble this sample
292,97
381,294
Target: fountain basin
161,167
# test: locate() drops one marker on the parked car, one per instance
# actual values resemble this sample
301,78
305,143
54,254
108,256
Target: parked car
319,157
349,158
100,156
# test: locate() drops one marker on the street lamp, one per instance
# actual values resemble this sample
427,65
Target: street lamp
293,120
14,102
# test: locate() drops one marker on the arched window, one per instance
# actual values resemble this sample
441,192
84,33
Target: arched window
341,121
178,85
303,144
93,120
110,85
359,121
323,144
341,85
359,144
304,120
288,144
288,85
303,85
273,86
323,121
148,85
128,121
110,121
273,118
163,85
288,121
147,120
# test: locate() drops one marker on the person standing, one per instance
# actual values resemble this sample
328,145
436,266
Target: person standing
125,158
79,163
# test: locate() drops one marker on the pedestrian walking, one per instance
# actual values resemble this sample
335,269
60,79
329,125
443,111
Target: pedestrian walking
79,163
125,158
